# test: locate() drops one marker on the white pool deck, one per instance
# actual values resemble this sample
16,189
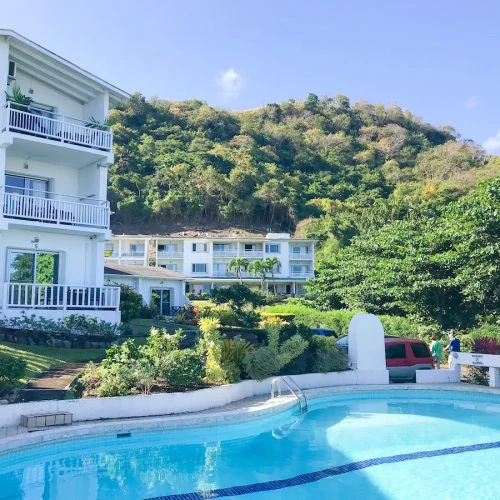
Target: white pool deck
16,437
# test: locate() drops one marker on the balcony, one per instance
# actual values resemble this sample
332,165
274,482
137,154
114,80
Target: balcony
165,254
65,297
300,256
133,254
55,208
305,274
225,254
252,254
27,120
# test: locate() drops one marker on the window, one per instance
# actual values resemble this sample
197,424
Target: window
221,247
395,351
26,186
249,247
199,268
137,249
295,249
420,350
170,267
167,247
272,248
200,247
296,269
33,267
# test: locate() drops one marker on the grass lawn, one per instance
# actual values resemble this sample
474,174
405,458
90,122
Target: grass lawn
41,358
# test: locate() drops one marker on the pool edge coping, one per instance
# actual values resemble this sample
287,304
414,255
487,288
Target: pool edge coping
219,416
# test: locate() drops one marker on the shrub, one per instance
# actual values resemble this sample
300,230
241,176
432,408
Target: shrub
283,352
182,368
117,380
131,303
331,359
11,370
233,352
90,379
261,363
482,332
211,345
124,354
75,325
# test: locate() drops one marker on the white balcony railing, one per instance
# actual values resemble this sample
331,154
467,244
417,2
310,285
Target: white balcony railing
133,254
225,254
28,120
36,296
300,256
252,254
306,274
164,254
55,208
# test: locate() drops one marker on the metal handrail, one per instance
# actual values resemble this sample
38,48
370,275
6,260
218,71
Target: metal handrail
301,397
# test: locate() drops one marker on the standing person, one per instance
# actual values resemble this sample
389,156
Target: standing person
453,346
437,352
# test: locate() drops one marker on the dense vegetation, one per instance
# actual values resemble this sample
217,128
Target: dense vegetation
405,214
272,167
442,269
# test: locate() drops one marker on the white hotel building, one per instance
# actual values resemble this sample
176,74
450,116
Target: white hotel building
54,157
204,260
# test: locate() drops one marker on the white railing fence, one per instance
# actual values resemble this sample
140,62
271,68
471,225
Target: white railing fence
38,296
490,361
55,207
29,120
165,254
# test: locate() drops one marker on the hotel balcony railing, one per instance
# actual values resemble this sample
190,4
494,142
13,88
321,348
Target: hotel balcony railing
165,254
29,120
232,274
54,208
306,274
225,254
252,254
37,296
300,256
133,254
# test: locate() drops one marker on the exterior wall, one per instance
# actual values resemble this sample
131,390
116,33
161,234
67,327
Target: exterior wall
174,403
62,179
79,254
44,94
145,285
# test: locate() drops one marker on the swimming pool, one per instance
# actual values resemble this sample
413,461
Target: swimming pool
374,444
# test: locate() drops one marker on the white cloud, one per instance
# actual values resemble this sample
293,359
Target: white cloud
492,144
472,102
230,83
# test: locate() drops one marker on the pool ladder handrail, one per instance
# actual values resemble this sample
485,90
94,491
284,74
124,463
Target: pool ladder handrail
297,392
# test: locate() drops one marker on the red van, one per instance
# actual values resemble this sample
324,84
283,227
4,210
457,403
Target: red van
403,357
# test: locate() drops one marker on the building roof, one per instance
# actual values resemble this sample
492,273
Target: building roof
47,65
210,235
111,269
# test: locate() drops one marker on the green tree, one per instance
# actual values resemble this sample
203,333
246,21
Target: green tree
238,265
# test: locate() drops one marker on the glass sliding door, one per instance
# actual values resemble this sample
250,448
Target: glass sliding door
32,276
160,301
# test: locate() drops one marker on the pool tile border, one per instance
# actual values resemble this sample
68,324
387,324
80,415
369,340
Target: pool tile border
311,477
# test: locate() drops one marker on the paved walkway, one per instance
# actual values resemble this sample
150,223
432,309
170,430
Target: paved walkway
57,378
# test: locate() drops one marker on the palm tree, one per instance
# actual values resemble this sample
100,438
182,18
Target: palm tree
238,265
258,267
272,264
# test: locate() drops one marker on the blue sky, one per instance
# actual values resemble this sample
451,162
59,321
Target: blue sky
439,58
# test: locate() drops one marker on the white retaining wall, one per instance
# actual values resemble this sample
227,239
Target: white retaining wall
179,402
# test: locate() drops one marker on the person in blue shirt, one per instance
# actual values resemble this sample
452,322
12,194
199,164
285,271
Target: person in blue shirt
453,346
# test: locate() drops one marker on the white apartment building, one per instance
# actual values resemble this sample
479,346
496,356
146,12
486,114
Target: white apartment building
204,261
55,150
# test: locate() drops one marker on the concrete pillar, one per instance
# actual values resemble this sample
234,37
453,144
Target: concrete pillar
494,377
367,349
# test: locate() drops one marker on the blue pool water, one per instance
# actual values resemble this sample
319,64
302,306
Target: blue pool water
375,445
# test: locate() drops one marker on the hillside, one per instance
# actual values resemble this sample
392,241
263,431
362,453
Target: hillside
334,166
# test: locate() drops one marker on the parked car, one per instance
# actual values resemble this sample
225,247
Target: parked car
403,357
